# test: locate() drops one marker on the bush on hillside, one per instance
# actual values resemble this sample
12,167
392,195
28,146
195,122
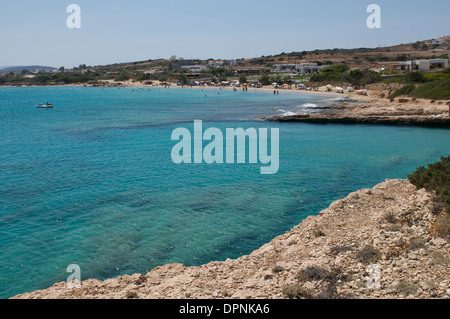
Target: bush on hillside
436,178
341,73
436,90
403,91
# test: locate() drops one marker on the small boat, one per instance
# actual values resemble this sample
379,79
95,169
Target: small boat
45,106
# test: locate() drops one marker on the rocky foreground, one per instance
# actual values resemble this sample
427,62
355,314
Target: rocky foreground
376,243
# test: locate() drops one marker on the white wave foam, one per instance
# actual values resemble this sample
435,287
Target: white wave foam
309,105
286,113
339,99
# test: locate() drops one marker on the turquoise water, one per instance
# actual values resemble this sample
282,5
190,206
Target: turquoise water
91,182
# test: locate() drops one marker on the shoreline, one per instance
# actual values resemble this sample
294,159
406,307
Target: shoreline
389,121
326,256
373,109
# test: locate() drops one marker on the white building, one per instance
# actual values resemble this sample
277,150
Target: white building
422,65
417,65
194,68
302,68
215,64
284,68
230,62
439,63
437,42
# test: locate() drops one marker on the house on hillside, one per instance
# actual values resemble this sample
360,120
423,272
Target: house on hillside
422,65
284,68
437,42
253,70
194,68
302,68
439,63
418,65
308,68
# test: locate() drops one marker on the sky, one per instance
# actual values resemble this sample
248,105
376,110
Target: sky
35,32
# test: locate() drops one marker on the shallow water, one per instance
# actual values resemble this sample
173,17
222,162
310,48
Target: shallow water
91,182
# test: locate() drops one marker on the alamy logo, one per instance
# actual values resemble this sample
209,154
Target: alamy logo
374,277
374,20
74,20
235,140
74,280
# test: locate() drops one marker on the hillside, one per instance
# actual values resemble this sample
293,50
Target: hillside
361,58
29,68
358,68
371,58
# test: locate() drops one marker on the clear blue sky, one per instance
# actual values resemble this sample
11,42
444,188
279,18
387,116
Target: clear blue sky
35,32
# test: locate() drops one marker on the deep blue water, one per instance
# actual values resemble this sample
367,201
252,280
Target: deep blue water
91,182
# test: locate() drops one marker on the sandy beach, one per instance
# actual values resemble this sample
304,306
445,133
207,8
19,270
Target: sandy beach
353,108
350,107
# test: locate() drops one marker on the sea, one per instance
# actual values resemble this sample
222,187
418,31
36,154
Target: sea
91,182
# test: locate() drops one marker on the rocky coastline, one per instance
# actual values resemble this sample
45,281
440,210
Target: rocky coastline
375,110
379,243
373,120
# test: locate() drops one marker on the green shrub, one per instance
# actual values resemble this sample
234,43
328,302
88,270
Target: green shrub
416,243
296,292
406,288
316,273
330,292
413,77
390,217
368,255
277,269
122,77
435,76
439,258
437,90
336,250
436,177
313,273
318,233
403,91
